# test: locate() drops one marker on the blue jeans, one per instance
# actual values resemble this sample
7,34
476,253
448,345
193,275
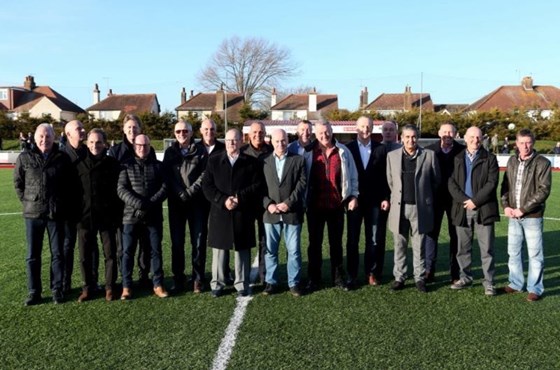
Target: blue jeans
131,234
292,239
530,229
35,231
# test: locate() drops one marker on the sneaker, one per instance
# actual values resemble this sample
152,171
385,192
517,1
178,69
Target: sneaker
57,297
372,280
126,294
533,297
295,291
216,293
160,292
242,293
421,286
269,289
461,284
490,290
32,300
397,285
510,290
339,283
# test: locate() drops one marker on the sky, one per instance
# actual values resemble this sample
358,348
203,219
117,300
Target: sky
457,51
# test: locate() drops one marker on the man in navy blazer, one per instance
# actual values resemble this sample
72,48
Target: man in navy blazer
369,157
283,202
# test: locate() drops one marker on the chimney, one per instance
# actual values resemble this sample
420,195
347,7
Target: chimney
364,98
192,94
360,106
407,98
313,101
183,96
273,97
220,99
110,92
96,94
29,83
527,83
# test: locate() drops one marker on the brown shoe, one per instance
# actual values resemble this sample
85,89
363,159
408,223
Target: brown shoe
510,290
160,292
198,287
84,296
126,294
532,297
108,295
372,280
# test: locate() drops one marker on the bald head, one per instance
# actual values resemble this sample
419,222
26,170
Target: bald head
279,141
473,139
75,133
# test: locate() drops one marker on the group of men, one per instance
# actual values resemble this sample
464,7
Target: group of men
223,191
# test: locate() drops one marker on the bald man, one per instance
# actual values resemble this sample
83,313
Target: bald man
473,187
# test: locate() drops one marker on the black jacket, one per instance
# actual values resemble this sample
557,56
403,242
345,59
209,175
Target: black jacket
124,151
142,189
184,172
100,204
446,166
485,177
45,187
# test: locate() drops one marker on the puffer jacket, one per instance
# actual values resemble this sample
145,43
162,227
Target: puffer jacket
45,187
142,189
535,188
184,173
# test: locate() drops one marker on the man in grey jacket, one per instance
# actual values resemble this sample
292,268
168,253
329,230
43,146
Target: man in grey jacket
525,188
413,176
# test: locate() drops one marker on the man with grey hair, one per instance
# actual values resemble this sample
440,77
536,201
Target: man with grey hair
232,184
333,187
41,181
184,164
413,176
473,187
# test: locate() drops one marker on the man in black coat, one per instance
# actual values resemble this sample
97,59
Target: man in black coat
232,184
41,181
369,157
99,175
185,163
446,150
142,189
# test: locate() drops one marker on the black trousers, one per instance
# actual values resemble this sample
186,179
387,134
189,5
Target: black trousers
87,244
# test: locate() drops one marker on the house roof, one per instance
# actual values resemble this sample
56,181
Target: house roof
507,98
397,102
301,102
451,108
207,102
127,103
26,99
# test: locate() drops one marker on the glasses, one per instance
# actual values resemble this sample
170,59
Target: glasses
232,140
181,132
142,145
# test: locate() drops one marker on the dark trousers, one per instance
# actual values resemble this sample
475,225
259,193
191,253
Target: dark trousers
431,242
70,235
87,243
197,218
369,216
131,234
262,249
35,232
380,241
143,254
316,220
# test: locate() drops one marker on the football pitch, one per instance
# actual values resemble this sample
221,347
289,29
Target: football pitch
368,328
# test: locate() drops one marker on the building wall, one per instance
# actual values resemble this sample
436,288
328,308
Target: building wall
44,107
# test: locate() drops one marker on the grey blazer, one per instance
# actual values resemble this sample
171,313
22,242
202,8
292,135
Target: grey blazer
289,189
426,179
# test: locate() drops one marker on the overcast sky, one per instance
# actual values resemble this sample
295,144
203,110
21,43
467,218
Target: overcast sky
462,49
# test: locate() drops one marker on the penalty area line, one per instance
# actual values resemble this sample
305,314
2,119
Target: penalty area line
221,359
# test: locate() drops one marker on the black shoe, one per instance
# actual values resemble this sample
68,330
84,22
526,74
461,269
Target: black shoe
242,293
177,288
397,285
421,286
145,283
32,300
57,297
351,284
312,286
269,289
216,293
295,291
66,289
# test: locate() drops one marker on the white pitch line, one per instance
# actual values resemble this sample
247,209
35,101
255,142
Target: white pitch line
221,359
10,214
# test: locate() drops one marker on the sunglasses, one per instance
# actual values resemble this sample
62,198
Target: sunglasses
182,131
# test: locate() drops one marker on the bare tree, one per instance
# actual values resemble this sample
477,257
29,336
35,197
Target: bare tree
250,66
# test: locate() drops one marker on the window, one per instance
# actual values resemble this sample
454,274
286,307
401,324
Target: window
3,94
